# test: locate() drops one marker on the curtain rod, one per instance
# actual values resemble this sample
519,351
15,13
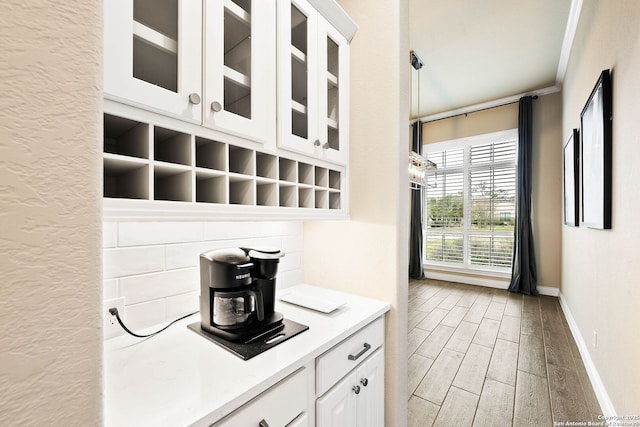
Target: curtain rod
476,111
485,105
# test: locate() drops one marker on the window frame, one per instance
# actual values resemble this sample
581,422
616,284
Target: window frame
466,168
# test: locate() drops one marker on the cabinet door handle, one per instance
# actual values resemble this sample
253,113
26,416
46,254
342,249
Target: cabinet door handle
316,142
364,382
263,423
356,389
194,98
366,348
216,106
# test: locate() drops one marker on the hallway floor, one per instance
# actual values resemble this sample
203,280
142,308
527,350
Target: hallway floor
484,357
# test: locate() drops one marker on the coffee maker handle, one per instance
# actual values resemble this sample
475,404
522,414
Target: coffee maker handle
257,295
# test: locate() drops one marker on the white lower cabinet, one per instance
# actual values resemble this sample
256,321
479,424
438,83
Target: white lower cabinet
357,400
285,404
348,389
350,380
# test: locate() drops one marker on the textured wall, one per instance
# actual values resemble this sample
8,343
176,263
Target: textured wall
600,268
154,265
50,174
369,254
546,199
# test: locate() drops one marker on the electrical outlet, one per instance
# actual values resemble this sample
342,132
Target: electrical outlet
594,340
110,326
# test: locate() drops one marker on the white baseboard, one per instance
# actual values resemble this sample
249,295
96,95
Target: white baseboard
548,290
484,281
469,280
598,386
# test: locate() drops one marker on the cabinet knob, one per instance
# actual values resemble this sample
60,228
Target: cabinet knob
356,389
325,145
364,382
316,142
194,98
263,423
216,106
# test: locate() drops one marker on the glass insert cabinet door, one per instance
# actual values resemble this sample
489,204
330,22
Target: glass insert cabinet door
152,55
312,80
240,51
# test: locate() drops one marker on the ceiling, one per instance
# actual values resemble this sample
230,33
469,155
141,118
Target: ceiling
476,52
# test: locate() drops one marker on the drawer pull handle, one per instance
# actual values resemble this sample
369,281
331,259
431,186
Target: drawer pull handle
364,382
366,348
263,423
356,389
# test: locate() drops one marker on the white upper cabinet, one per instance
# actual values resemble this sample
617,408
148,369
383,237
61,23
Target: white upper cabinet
209,62
152,55
240,69
313,74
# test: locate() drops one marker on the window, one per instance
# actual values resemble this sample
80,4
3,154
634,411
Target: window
470,202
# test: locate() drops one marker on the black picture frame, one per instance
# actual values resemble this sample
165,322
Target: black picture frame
596,155
571,184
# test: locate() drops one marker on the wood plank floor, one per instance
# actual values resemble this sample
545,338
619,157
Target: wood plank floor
484,357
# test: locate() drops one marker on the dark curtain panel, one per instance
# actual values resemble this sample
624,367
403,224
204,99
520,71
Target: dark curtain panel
523,271
416,270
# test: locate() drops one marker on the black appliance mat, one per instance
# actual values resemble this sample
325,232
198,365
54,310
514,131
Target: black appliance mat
257,345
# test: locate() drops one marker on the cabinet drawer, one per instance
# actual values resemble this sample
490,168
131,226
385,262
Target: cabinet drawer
278,406
341,359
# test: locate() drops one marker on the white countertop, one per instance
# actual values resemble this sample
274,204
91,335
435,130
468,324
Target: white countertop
180,378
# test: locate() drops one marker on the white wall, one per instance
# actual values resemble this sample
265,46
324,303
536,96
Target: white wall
369,254
600,268
50,196
154,265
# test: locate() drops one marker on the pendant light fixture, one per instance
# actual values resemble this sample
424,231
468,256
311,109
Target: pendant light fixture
418,165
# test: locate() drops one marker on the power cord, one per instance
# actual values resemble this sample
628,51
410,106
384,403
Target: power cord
114,312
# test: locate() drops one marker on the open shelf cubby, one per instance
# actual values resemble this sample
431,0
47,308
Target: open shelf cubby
288,170
322,177
126,137
171,183
171,146
321,199
334,200
267,194
334,179
305,198
211,154
242,191
305,173
288,196
211,188
266,166
126,179
241,161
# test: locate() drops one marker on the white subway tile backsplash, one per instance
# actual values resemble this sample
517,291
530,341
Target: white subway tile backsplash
288,278
109,289
154,233
141,316
154,266
181,305
291,261
109,234
185,255
292,244
128,261
137,289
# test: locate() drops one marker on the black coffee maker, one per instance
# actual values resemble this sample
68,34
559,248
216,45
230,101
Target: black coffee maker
237,292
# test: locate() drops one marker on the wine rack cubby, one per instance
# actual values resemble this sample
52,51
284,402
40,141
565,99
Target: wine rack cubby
148,162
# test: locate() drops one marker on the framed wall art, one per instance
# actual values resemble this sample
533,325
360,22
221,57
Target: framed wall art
596,155
570,155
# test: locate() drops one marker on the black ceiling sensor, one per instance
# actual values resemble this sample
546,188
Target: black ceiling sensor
416,62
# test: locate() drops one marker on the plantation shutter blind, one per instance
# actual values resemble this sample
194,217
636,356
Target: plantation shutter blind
470,204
